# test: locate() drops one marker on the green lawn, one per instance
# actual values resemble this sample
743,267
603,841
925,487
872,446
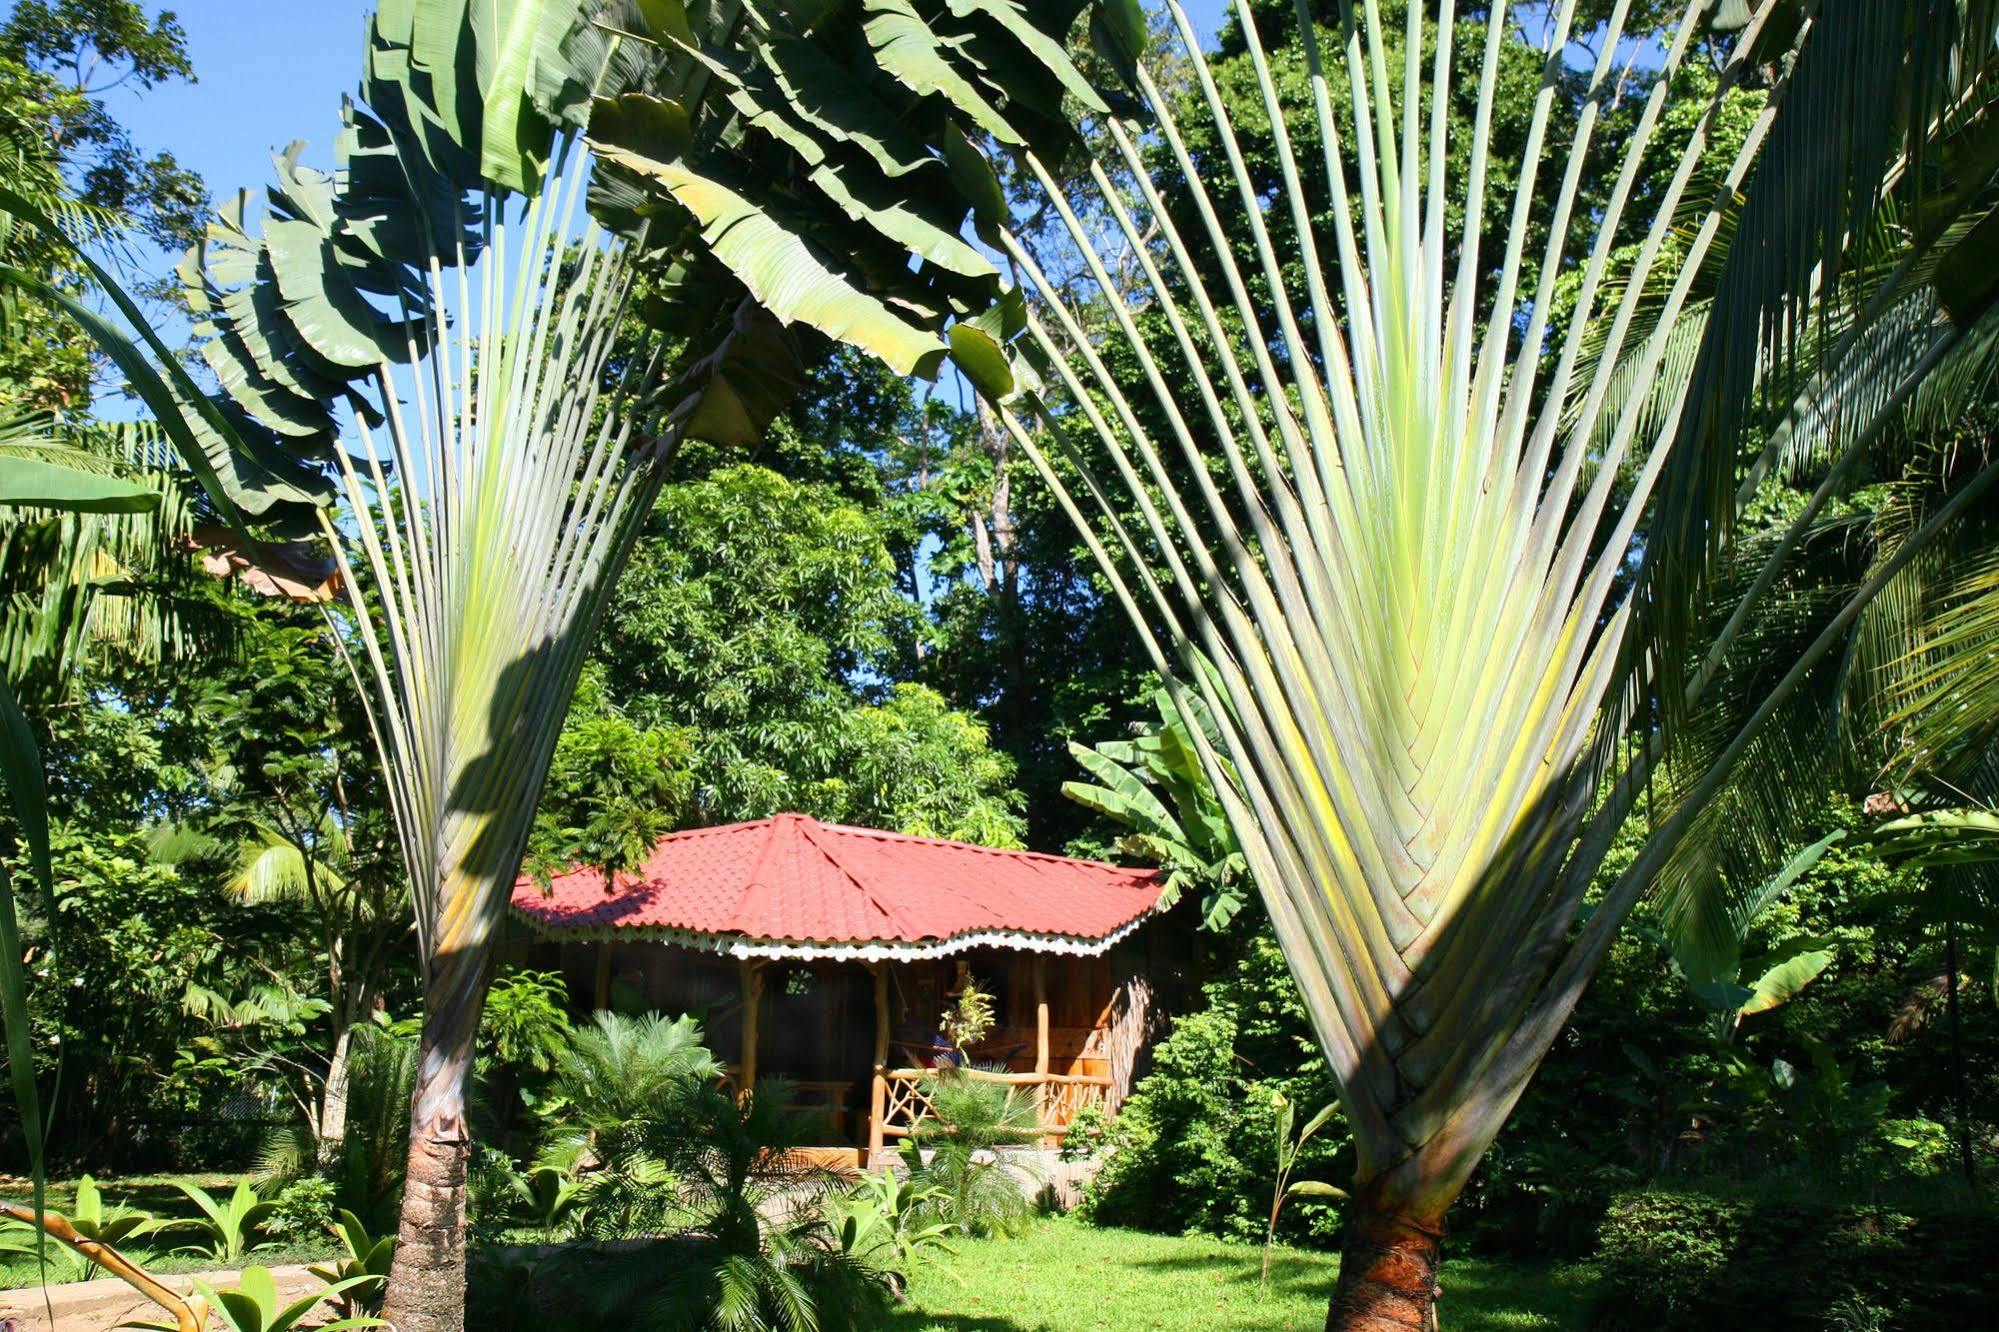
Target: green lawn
1065,1276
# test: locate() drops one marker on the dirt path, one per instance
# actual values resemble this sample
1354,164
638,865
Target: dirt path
90,1306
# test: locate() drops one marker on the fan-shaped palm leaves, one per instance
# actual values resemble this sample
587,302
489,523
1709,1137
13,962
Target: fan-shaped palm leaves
419,357
1370,502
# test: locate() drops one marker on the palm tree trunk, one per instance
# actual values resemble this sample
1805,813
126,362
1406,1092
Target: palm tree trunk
426,1288
1388,1268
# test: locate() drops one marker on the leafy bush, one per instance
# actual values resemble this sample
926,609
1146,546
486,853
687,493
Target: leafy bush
1190,1151
890,1223
229,1226
525,1024
723,1224
1697,1260
303,1209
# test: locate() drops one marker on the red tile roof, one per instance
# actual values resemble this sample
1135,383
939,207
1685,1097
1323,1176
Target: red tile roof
791,886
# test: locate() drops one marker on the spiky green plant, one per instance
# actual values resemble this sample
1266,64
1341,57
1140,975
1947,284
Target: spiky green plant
1379,505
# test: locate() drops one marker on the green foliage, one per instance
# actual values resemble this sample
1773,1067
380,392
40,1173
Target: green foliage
1709,953
755,609
94,1217
252,1306
1290,1146
1689,1260
1190,1150
362,1272
954,1154
968,1017
123,944
228,1228
891,1224
302,1209
614,788
620,1082
368,1168
65,149
640,1143
526,1022
1186,833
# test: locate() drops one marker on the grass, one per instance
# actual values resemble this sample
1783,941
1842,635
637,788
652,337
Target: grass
1065,1276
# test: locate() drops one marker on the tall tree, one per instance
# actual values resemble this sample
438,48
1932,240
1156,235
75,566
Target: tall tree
1394,553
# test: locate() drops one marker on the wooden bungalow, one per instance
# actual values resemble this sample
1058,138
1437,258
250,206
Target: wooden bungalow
827,954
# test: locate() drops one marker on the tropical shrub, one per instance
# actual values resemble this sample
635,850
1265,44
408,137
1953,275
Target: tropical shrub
303,1208
953,1154
252,1306
720,1223
1189,1151
890,1223
92,1216
228,1227
1696,1260
362,1272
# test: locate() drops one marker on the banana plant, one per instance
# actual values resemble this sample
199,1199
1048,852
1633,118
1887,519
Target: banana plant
1715,974
1155,786
1369,493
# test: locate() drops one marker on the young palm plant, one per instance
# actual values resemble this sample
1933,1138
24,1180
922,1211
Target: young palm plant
1379,508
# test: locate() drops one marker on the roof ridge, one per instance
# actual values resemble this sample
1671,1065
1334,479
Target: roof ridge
888,914
887,835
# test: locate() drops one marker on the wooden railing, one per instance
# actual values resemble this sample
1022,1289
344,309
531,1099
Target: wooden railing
905,1098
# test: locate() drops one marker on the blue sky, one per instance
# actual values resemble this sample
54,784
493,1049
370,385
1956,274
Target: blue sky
269,71
272,71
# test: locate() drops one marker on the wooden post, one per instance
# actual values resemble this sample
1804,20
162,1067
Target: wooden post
1042,1100
753,993
1041,1013
878,1092
603,988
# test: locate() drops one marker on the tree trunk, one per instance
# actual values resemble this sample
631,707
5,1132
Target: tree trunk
426,1288
1388,1269
333,1102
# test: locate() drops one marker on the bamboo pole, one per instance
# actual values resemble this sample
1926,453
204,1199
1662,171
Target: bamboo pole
878,1095
1040,1013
